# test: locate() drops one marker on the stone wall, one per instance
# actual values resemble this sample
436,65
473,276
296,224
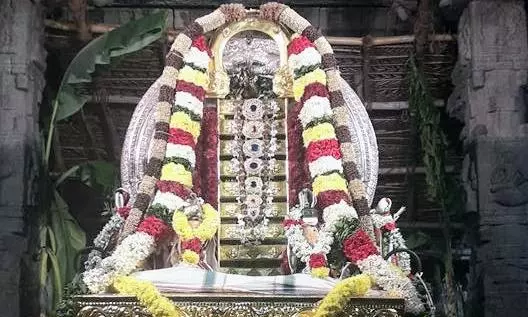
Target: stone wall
22,63
489,78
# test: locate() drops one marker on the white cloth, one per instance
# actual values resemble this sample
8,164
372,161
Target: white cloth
184,278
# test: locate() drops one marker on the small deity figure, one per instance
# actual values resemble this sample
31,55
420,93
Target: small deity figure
310,216
388,236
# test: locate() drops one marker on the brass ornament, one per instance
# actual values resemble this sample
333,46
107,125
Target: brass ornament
235,305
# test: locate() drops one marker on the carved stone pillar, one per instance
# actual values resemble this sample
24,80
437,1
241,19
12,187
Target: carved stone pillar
488,97
22,64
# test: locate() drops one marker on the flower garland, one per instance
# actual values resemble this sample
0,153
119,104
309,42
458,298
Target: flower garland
148,296
173,188
322,152
105,235
392,239
360,250
194,238
334,302
329,184
313,255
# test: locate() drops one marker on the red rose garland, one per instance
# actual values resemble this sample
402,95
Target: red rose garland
358,246
210,156
153,226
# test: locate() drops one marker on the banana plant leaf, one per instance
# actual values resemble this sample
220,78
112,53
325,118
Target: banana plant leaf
128,38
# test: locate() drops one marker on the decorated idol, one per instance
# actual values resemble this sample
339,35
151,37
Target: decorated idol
250,151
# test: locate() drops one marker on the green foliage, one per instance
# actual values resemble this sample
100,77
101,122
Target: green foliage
433,140
130,37
66,306
61,237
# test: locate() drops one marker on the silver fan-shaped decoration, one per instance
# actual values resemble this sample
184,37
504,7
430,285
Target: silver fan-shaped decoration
137,145
140,132
364,139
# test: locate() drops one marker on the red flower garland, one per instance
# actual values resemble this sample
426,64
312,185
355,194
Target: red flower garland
123,211
389,226
210,156
329,147
317,260
201,43
193,244
314,89
179,136
175,188
358,246
299,44
297,172
331,197
292,222
197,91
154,227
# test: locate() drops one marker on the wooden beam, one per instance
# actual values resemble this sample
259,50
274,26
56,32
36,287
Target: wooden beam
99,28
213,4
404,170
428,225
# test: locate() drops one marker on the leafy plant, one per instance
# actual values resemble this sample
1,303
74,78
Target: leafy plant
433,142
61,237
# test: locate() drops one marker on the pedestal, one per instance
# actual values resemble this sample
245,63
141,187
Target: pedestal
231,305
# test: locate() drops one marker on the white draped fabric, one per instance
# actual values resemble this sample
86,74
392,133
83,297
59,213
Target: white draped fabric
185,278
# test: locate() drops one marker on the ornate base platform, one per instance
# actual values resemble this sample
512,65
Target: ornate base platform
231,305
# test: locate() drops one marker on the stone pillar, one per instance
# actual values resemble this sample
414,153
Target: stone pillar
22,63
489,78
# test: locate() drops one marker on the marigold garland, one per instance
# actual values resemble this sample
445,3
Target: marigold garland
205,231
332,181
334,302
148,295
190,257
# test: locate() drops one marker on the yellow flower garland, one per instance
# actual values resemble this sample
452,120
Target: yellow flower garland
323,131
333,181
320,272
194,76
177,173
333,303
191,257
148,295
318,75
183,121
205,231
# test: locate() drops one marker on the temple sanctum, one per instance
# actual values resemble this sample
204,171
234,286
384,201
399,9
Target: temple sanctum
266,159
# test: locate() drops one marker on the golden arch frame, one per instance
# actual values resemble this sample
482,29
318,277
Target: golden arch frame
219,80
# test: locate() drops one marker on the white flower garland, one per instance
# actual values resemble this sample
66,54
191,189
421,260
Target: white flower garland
307,57
316,107
198,58
189,102
182,151
336,212
169,200
127,256
300,246
390,279
325,164
102,239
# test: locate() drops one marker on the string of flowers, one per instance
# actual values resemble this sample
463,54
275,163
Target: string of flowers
173,188
334,302
210,156
322,155
104,237
194,238
148,296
